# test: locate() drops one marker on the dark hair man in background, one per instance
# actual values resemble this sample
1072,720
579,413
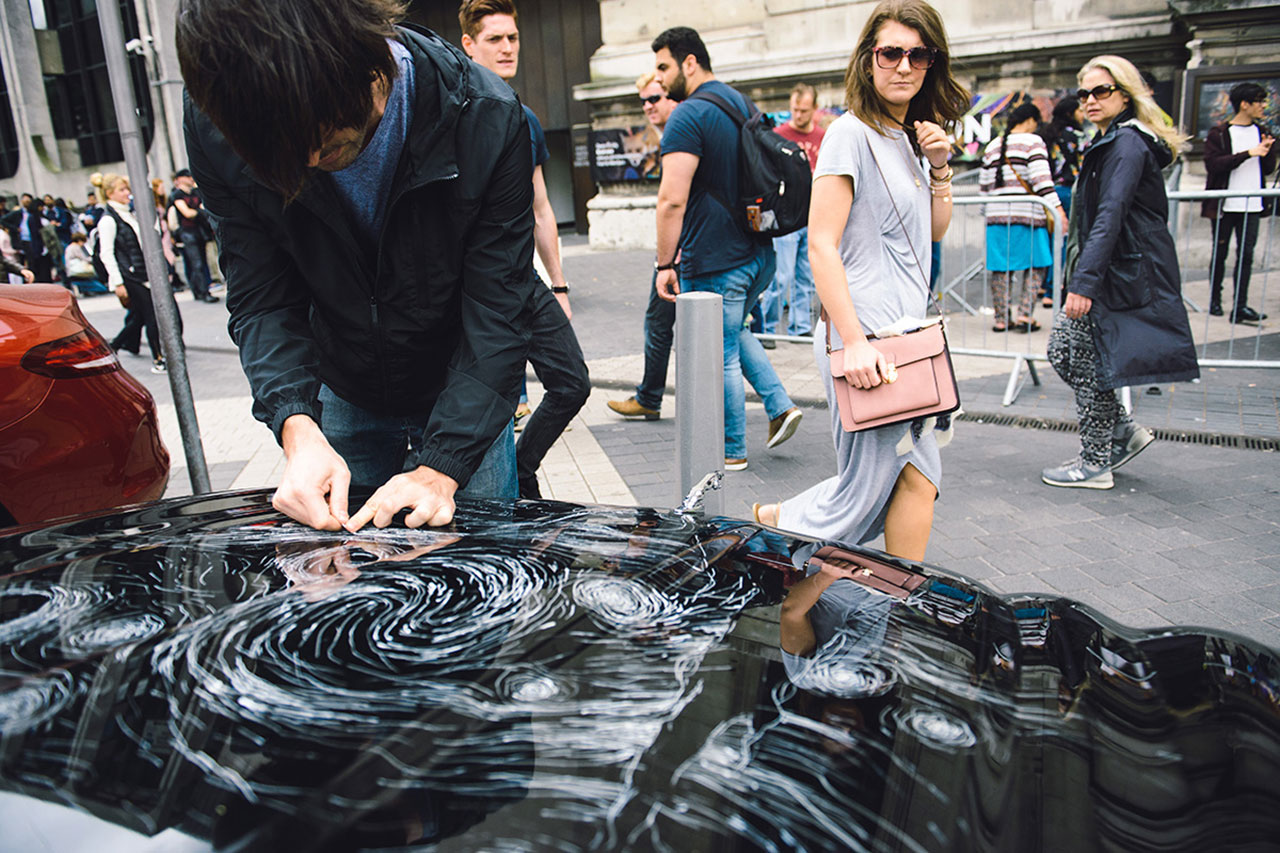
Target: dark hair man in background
377,242
700,166
1238,155
491,37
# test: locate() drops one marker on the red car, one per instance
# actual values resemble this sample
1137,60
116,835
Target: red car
77,433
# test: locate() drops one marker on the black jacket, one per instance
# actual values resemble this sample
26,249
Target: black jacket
1220,161
127,250
1121,256
440,324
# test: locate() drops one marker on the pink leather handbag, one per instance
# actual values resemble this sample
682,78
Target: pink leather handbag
925,383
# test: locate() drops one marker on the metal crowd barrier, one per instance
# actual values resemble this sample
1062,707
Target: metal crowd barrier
962,284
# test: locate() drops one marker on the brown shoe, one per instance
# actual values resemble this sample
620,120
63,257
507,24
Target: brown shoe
630,408
735,464
784,426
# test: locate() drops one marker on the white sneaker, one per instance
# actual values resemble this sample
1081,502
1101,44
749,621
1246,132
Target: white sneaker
159,367
1074,474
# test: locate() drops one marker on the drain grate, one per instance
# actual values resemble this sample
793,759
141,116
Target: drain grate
1209,439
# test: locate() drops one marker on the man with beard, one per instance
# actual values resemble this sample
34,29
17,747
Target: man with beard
700,151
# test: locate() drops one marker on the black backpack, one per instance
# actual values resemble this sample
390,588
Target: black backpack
774,179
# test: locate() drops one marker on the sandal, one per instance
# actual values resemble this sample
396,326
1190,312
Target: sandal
1047,302
999,328
755,513
1027,325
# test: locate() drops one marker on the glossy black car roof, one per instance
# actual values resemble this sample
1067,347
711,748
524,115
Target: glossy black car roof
557,677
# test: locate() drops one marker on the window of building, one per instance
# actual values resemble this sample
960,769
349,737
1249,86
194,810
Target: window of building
80,97
8,133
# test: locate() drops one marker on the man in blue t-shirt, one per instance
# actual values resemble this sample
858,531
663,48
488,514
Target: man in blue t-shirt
697,216
491,38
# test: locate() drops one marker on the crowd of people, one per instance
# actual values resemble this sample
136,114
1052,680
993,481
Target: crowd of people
96,248
379,247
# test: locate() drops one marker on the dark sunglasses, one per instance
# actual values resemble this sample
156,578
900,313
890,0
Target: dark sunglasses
919,57
1100,93
652,99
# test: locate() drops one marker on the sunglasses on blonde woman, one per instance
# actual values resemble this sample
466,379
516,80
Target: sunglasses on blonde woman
1100,93
919,57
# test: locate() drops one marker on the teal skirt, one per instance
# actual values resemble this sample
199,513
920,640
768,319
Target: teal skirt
1017,247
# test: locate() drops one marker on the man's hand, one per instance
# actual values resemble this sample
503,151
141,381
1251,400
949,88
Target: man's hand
667,284
424,490
1263,148
1076,306
933,143
28,276
563,299
314,487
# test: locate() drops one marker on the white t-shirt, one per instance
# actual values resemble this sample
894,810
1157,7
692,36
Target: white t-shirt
887,269
1248,175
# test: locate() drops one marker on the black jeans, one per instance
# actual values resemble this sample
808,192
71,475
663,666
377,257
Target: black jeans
1245,227
659,328
557,361
142,314
194,263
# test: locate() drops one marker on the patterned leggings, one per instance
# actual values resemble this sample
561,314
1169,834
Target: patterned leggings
1031,280
1074,356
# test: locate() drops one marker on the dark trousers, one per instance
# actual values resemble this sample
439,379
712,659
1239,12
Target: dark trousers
194,263
142,315
659,329
1245,227
558,363
38,260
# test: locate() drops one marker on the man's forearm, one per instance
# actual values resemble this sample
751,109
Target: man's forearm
670,221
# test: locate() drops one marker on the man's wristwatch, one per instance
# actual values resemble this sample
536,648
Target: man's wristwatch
563,288
657,267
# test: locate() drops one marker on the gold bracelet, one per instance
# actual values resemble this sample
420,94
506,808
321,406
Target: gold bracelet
946,175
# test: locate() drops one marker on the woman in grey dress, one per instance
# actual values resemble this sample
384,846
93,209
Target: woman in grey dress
868,263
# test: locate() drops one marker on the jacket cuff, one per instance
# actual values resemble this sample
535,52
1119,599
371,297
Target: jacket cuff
287,411
447,465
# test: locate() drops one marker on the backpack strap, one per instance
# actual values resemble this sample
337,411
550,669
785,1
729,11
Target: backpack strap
711,97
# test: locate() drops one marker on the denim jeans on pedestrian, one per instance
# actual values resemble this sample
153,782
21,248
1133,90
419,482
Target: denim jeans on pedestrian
792,285
558,363
376,447
195,264
659,329
740,288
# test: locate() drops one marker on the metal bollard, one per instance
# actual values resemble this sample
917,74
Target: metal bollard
699,395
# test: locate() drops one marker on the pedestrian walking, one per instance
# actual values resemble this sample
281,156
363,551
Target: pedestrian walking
660,315
709,245
1065,141
1018,247
874,211
1122,320
1238,155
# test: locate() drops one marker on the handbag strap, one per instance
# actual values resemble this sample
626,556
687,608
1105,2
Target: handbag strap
905,233
1026,186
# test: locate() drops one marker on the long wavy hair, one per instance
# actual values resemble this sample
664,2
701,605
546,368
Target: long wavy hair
1132,85
941,99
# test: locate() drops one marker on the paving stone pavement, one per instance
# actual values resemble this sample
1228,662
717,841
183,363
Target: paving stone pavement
1189,536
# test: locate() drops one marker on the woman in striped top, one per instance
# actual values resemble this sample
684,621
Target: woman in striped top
1017,240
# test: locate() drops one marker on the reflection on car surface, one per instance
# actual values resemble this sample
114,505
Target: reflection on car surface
77,433
557,677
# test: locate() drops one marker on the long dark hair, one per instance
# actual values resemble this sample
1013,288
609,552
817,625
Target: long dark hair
1021,113
940,99
276,76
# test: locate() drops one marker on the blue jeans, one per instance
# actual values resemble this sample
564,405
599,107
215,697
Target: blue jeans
376,447
659,325
740,287
792,284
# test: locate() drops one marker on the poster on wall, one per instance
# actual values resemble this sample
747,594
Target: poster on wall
626,154
1210,88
